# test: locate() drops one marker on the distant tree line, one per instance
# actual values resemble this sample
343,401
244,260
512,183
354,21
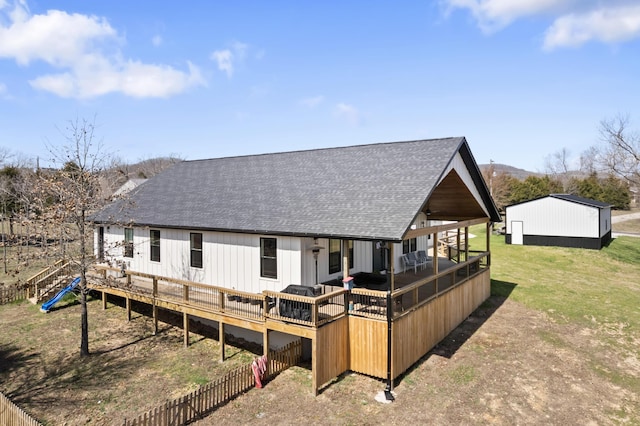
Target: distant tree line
607,172
507,190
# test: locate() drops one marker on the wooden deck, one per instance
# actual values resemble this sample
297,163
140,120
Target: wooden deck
347,329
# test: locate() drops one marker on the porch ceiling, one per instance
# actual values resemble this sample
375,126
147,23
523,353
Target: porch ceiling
452,200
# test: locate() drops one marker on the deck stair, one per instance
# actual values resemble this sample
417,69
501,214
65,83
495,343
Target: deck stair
49,280
448,245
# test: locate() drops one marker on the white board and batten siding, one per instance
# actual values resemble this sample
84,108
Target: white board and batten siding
230,260
555,217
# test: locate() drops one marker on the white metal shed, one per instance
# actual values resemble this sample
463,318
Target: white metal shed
559,220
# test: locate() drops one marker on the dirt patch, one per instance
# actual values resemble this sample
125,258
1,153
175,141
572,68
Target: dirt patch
504,365
513,367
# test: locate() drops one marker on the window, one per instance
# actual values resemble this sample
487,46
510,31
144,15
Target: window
154,242
409,245
335,255
128,242
268,258
196,249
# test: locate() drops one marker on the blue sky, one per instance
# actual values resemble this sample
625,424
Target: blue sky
521,79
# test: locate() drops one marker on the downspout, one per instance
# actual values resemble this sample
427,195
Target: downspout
387,392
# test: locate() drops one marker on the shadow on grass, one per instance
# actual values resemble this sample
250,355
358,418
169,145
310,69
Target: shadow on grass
447,347
59,381
13,358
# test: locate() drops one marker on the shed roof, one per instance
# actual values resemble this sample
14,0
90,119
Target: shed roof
361,192
580,200
570,198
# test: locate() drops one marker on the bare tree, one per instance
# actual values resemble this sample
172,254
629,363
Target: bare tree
558,162
557,165
5,154
620,153
77,192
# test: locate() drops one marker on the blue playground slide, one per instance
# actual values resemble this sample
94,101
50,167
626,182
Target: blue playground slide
46,306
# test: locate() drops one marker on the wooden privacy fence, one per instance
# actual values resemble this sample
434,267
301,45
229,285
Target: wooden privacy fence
12,415
11,294
207,398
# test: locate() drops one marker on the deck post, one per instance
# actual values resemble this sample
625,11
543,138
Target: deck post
104,300
314,365
185,326
265,349
221,340
128,306
155,317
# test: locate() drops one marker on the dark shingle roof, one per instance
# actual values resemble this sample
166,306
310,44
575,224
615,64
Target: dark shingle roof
581,200
363,192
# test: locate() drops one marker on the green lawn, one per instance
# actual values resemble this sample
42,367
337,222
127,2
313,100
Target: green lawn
577,285
597,290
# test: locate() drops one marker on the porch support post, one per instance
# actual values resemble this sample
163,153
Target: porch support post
489,227
221,340
185,327
392,268
104,300
345,258
458,246
435,253
466,242
128,307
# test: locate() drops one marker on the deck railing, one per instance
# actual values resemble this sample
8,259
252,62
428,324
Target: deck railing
291,308
426,289
48,282
305,310
368,303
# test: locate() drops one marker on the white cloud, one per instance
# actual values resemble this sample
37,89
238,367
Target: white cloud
607,25
493,15
312,102
86,51
348,113
575,22
224,58
132,78
227,59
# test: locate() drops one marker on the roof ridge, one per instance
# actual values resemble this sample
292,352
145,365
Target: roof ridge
332,148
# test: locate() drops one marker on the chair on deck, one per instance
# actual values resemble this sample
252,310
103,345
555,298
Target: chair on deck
410,260
423,259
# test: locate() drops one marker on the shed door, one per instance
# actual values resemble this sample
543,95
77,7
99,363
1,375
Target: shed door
516,232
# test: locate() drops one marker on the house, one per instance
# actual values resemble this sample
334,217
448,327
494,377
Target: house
559,220
258,228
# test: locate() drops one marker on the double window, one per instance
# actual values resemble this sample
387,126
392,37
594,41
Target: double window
128,242
268,258
196,249
335,255
409,245
154,243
